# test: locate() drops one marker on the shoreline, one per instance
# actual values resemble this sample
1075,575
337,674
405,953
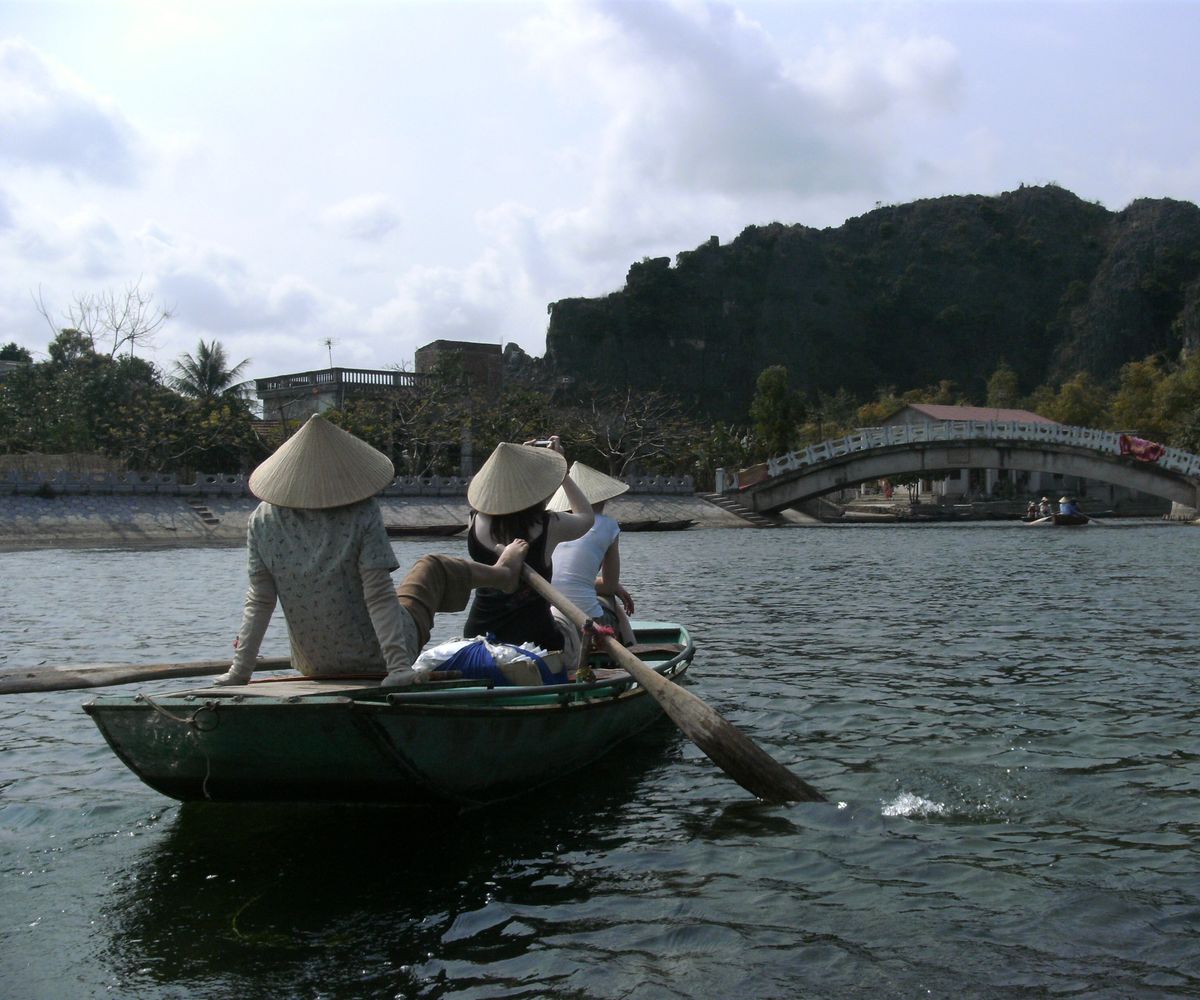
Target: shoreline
30,523
64,522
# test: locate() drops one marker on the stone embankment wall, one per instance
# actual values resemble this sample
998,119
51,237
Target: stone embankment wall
68,521
16,482
122,508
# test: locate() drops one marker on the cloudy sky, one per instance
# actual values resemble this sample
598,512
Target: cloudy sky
387,174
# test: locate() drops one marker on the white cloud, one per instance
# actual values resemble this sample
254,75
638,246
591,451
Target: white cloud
868,74
49,119
369,218
431,303
707,125
213,289
699,99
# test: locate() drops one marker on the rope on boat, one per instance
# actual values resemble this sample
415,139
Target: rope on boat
593,635
193,724
189,720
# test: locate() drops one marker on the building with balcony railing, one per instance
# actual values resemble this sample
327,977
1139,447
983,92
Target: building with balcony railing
299,395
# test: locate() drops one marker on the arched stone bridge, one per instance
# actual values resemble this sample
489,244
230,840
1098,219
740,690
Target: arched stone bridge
934,448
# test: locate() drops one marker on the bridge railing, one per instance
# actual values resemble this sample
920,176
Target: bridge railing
899,435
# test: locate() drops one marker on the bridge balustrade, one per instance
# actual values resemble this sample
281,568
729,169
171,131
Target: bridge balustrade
898,435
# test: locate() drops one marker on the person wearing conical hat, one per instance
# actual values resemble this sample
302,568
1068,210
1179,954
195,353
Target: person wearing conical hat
317,545
508,501
587,571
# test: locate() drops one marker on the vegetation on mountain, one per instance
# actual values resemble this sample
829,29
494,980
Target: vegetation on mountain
940,290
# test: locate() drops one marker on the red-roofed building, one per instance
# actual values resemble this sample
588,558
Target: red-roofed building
918,413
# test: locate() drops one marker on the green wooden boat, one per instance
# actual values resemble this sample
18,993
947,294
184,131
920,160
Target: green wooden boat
451,742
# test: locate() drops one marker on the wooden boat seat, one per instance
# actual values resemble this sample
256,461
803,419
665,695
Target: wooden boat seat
655,648
282,687
610,674
293,686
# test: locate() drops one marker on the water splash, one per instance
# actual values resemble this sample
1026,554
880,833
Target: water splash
908,804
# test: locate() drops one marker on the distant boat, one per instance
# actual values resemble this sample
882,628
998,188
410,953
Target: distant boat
656,525
458,742
413,530
1060,520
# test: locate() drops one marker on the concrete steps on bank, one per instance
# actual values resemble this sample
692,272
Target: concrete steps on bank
726,502
205,515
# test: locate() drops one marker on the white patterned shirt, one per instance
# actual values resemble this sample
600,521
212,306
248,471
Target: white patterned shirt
315,561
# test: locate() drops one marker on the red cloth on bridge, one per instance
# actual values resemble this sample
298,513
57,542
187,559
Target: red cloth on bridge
1141,449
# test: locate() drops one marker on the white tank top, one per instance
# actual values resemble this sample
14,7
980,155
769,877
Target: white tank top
577,564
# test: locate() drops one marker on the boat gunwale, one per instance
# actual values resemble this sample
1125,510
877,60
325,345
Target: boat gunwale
540,697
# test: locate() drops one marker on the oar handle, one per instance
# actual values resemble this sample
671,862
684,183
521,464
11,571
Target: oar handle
25,680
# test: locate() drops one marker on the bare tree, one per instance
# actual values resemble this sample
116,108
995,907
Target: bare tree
110,317
629,428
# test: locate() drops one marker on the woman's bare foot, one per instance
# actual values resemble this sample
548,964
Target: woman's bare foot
509,563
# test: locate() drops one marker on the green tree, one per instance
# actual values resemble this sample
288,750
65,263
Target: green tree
1178,398
521,413
1079,402
1003,391
876,412
1135,405
776,412
1187,433
12,351
207,375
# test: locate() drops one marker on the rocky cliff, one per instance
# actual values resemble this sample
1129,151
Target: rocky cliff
903,296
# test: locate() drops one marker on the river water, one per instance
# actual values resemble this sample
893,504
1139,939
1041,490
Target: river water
1004,719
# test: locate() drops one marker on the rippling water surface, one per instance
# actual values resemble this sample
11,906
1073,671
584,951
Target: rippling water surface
1006,720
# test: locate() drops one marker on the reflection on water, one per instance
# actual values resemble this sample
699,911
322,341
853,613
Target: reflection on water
1007,722
284,898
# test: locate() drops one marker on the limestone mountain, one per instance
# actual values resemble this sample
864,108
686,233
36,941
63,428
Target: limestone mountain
903,296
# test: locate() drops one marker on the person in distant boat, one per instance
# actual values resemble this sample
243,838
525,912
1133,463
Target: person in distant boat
317,544
1066,505
1045,507
1031,510
587,571
508,501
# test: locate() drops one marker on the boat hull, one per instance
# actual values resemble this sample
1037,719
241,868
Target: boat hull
463,745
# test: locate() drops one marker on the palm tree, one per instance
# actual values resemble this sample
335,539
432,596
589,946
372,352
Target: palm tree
205,376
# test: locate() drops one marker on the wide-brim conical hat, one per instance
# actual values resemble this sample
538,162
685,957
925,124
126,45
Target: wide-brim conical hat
514,477
596,486
321,466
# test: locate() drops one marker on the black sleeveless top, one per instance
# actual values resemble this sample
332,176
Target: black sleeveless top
522,616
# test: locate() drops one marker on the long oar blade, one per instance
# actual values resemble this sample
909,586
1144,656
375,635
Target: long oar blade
70,678
724,744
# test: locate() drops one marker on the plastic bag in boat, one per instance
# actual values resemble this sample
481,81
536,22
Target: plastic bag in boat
502,663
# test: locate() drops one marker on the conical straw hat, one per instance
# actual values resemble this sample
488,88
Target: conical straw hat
596,486
514,477
321,466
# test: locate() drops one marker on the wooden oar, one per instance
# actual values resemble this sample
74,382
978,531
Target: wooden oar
70,678
726,745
